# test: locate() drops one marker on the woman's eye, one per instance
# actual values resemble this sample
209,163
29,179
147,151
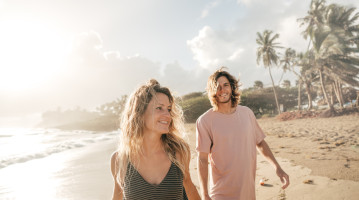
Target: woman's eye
159,108
169,110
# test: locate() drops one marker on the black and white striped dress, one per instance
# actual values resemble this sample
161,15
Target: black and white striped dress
137,188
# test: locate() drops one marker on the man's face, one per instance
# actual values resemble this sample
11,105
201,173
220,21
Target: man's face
224,90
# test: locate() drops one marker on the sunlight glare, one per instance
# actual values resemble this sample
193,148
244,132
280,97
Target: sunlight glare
31,54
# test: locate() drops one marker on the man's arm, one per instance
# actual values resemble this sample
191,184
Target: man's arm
264,149
202,163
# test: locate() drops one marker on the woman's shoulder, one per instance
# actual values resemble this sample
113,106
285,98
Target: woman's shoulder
114,156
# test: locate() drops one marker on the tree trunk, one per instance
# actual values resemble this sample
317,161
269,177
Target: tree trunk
330,106
332,95
299,94
275,93
341,94
307,90
337,93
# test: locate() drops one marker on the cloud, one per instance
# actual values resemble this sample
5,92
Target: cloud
86,49
247,2
290,33
212,48
93,76
184,81
235,46
112,55
208,8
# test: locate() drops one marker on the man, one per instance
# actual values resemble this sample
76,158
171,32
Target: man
228,136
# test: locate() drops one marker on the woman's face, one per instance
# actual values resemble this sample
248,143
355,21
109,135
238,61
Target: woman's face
157,116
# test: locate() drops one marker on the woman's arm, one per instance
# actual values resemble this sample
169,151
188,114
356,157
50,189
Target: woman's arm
117,191
190,188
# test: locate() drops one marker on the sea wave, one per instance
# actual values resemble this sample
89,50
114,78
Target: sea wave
53,148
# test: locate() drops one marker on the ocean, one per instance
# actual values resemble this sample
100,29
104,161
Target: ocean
46,163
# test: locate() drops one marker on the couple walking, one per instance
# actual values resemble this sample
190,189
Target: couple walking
152,161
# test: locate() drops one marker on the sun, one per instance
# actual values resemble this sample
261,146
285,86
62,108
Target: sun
31,54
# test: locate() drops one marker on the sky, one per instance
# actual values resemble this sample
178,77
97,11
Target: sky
84,53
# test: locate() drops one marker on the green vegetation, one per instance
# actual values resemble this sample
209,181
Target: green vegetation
194,105
105,118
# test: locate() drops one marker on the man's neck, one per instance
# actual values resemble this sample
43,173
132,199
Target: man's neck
225,108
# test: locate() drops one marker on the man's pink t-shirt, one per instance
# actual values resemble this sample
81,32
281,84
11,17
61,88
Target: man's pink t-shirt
230,140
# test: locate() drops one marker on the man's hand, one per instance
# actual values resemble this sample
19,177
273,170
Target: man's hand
206,197
264,149
284,178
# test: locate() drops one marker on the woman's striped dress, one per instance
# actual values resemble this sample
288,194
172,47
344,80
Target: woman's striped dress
171,187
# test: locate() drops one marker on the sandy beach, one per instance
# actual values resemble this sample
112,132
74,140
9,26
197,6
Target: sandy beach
320,155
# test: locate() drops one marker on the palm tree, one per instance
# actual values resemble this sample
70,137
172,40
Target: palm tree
333,35
342,22
344,19
288,62
307,74
313,19
266,53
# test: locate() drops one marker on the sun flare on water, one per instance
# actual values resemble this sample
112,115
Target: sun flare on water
31,54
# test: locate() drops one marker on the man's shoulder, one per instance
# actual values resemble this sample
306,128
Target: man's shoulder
241,108
205,116
245,110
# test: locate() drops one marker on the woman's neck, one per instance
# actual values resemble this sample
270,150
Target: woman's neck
152,144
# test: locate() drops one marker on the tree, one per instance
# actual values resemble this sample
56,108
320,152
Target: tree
313,19
334,38
343,23
266,53
286,84
258,84
113,108
307,73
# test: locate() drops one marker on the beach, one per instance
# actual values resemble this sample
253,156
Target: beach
320,155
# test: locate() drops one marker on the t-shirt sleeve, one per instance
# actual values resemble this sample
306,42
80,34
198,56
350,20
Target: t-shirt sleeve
203,138
259,134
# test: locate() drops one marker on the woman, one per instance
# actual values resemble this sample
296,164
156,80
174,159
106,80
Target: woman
152,161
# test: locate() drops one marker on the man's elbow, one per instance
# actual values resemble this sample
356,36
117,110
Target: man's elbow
260,144
202,159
